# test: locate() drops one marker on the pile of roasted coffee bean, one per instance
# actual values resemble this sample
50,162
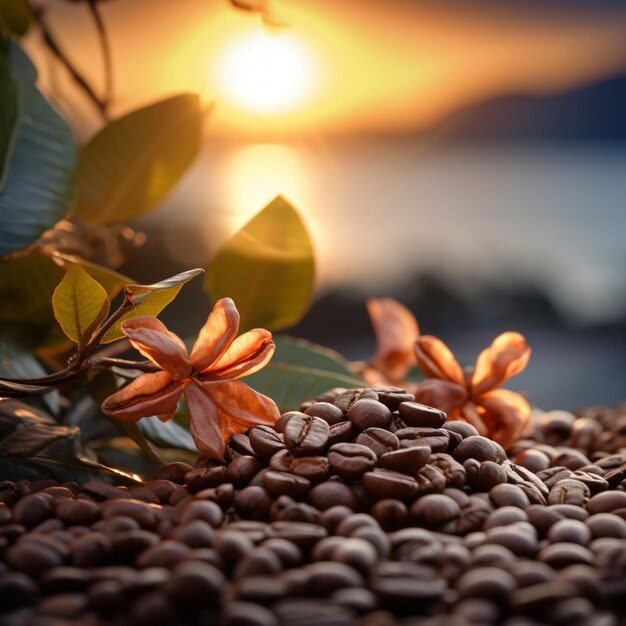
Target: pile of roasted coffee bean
364,508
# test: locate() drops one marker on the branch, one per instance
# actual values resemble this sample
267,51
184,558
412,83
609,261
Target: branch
142,366
106,53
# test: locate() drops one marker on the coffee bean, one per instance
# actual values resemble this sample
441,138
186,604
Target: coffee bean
571,458
607,502
253,503
326,411
479,448
504,516
284,483
430,479
16,589
559,555
415,414
484,476
460,428
306,435
288,553
32,510
351,460
391,514
222,495
538,599
313,468
520,538
32,559
606,525
195,534
346,399
306,612
174,472
533,460
453,471
205,477
366,414
265,441
436,439
383,483
340,432
63,605
407,460
203,510
486,582
103,491
331,494
165,554
528,573
569,530
379,440
195,583
404,586
435,509
569,491
240,613
303,535
128,544
357,553
258,562
508,495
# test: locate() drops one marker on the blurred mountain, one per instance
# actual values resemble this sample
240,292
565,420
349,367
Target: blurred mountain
594,112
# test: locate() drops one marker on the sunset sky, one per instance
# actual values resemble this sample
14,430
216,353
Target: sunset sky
338,67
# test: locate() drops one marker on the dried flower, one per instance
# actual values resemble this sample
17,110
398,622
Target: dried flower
218,403
396,331
472,396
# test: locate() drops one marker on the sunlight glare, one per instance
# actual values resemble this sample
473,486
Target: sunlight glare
265,73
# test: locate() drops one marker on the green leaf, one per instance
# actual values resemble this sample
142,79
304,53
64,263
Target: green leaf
80,304
166,434
300,371
26,287
8,111
33,446
132,163
150,299
16,15
15,362
267,268
132,431
38,186
123,454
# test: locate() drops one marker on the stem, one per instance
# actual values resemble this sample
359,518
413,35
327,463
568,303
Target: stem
106,53
78,78
142,366
126,306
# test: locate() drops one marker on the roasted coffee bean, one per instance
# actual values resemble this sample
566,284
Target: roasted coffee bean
32,559
258,562
430,479
460,428
436,439
356,553
128,544
296,512
553,475
453,471
569,530
606,525
83,512
533,460
504,516
520,538
195,583
284,483
222,495
366,414
326,411
313,468
486,582
538,599
265,441
393,397
253,503
303,535
203,510
195,534
351,460
484,476
308,612
569,491
146,515
479,448
33,509
379,440
165,554
103,491
559,555
341,432
174,472
570,511
556,425
239,613
306,435
435,509
415,414
508,495
242,469
330,494
607,502
382,483
347,398
238,445
407,460
401,585
205,477
390,513
571,458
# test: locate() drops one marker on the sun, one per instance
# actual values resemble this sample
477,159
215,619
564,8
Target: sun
266,73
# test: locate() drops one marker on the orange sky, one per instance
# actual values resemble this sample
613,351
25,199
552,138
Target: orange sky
379,66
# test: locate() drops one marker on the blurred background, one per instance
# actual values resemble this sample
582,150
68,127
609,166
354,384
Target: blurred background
468,159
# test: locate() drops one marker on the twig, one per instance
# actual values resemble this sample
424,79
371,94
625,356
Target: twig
106,53
142,366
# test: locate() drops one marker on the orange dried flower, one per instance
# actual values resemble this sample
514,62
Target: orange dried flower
396,331
472,396
218,403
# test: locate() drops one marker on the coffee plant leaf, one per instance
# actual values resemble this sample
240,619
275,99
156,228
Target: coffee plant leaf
134,161
80,304
299,371
267,268
8,111
38,184
15,16
33,446
150,299
167,434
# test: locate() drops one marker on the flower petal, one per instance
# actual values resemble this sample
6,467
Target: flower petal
246,355
470,414
437,361
505,414
239,406
155,342
149,394
505,357
396,331
218,332
206,428
441,394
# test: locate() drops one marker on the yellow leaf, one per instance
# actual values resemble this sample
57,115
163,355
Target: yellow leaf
267,268
80,303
